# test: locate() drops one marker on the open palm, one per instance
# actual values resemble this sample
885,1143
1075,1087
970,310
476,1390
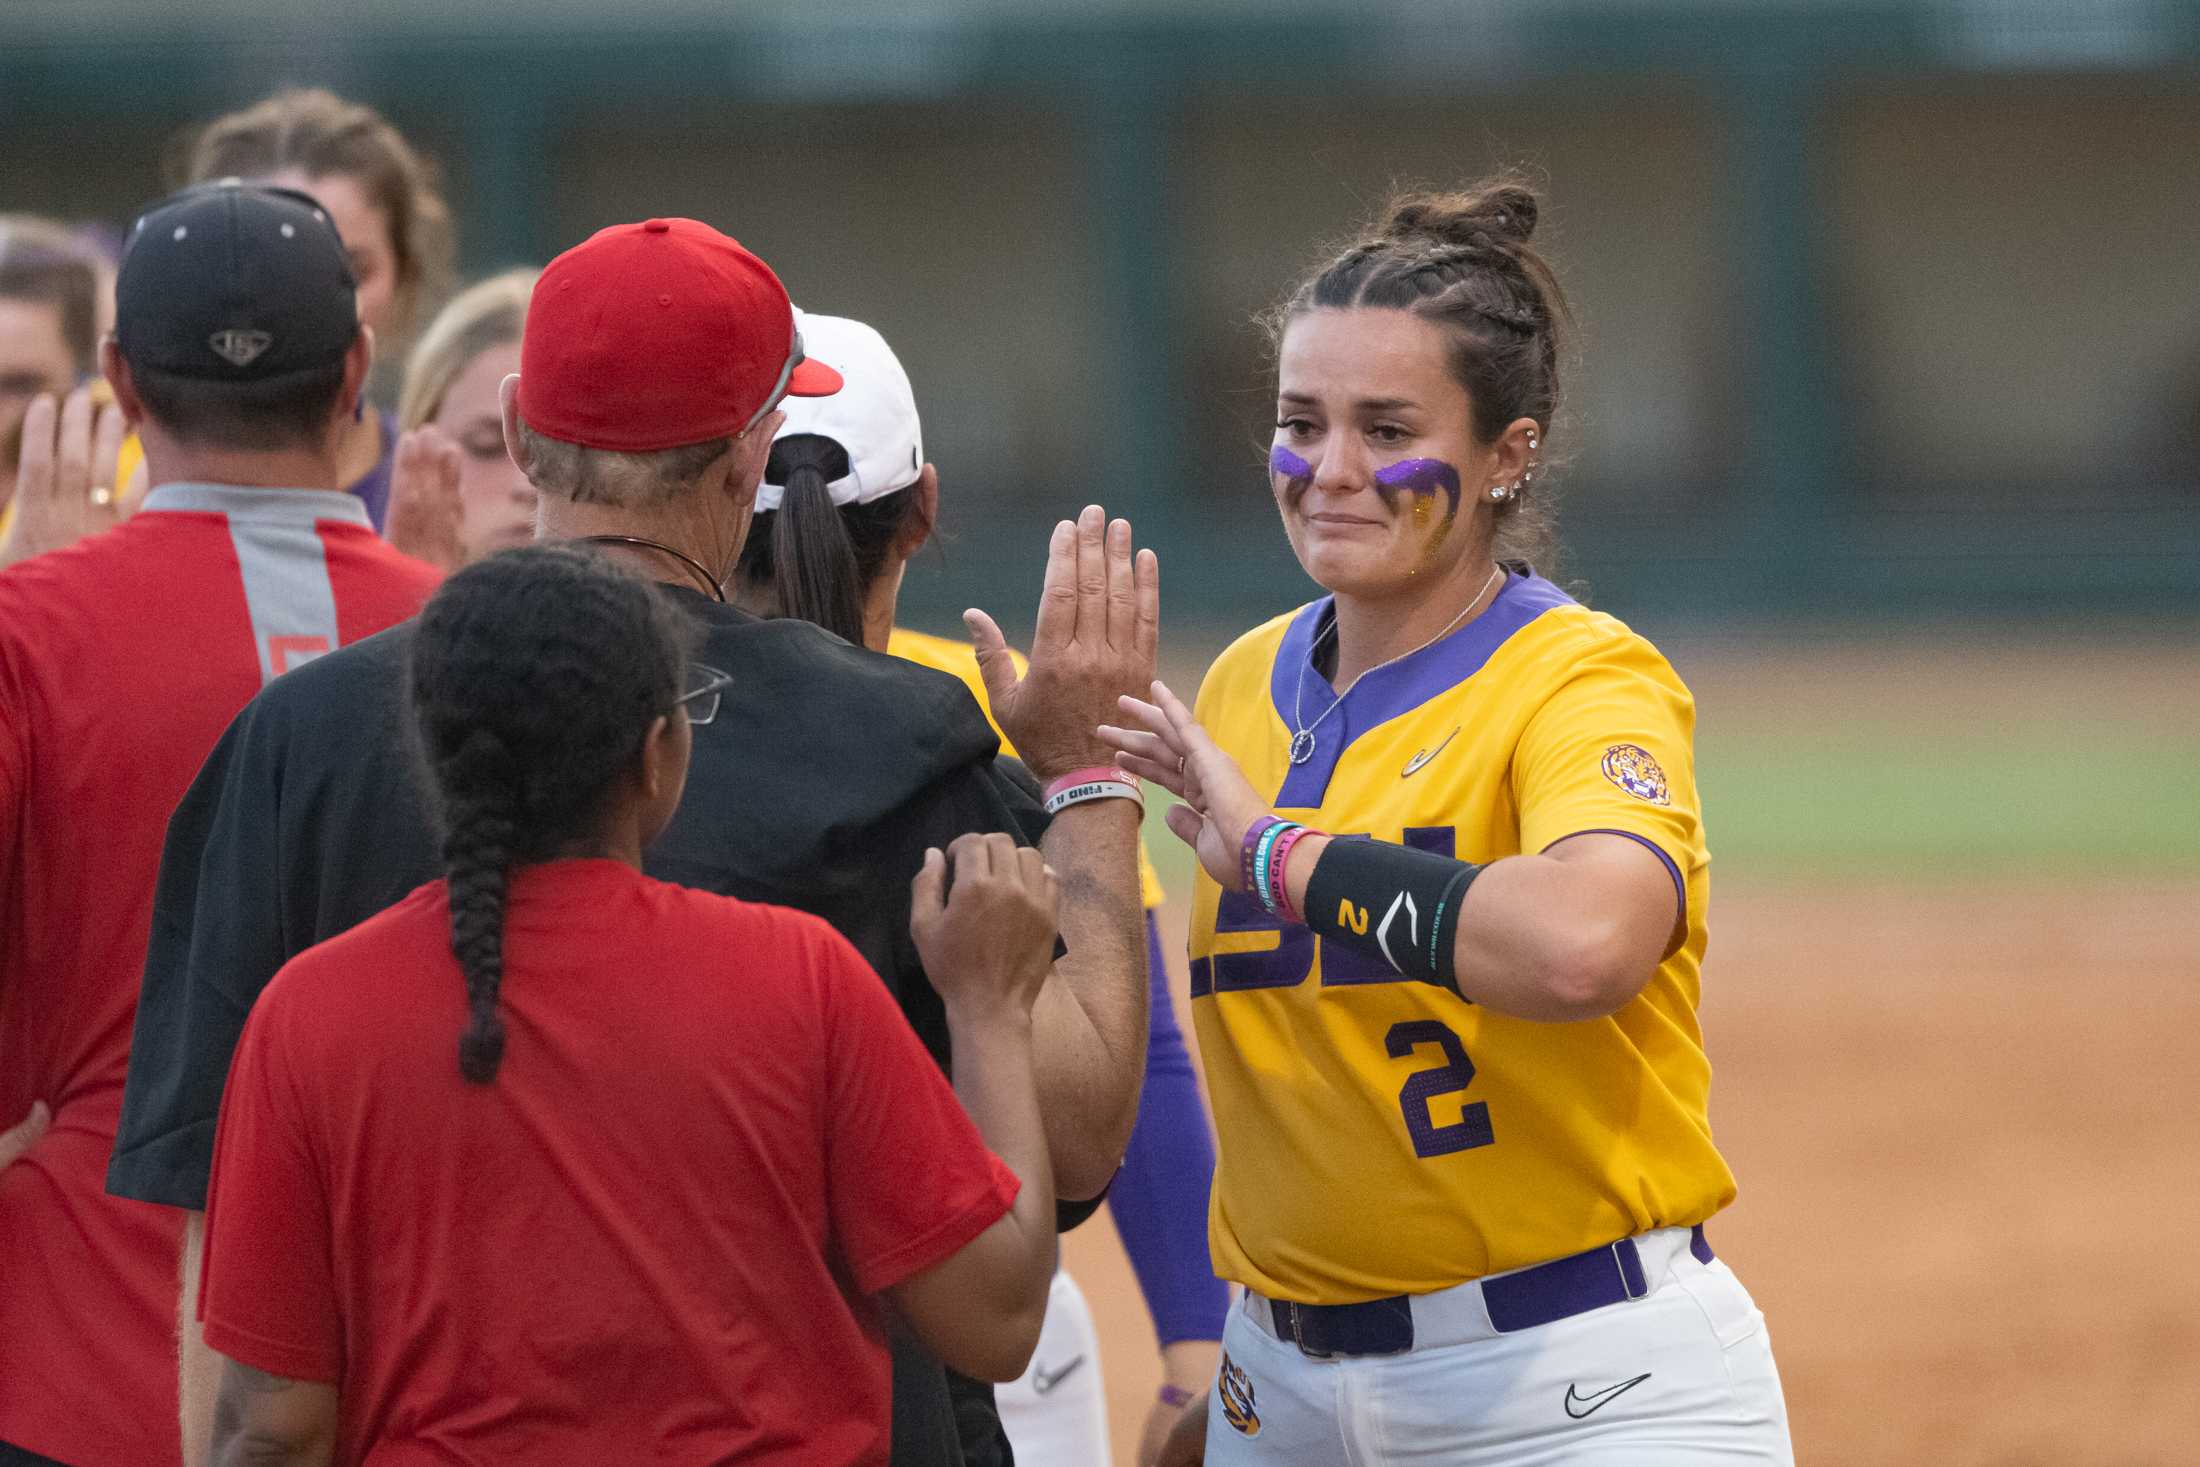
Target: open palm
1219,803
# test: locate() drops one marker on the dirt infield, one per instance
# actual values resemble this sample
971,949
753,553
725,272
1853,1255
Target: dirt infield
1963,1126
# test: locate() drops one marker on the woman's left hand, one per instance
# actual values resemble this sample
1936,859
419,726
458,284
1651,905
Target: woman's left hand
1189,1366
65,486
1186,1443
1219,802
427,514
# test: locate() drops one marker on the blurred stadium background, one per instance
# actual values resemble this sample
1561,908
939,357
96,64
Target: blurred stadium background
1886,424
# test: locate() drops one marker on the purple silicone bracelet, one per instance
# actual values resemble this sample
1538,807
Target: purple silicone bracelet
1251,844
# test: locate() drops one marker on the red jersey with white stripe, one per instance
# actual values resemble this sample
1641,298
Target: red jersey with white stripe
122,659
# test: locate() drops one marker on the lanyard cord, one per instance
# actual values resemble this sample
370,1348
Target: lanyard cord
717,591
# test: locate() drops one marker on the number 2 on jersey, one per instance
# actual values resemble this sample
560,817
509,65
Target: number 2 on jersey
1287,964
1452,1077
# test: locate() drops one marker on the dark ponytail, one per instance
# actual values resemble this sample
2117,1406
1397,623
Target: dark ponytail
812,559
536,675
815,561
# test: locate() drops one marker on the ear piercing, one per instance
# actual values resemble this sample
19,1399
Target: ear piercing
1500,493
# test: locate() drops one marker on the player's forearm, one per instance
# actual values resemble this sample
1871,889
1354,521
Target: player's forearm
1090,1021
996,1083
1537,938
266,1420
1189,1365
199,1369
1159,1198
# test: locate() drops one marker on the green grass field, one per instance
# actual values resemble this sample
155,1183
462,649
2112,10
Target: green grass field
1995,803
1994,763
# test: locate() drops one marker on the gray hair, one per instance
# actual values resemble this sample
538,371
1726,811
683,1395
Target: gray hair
610,476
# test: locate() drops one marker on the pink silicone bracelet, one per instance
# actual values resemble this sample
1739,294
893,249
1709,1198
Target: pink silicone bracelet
1279,861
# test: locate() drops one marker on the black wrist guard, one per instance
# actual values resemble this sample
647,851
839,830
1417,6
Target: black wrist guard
1390,902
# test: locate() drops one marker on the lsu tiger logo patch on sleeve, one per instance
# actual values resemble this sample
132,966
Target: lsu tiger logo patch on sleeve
1631,768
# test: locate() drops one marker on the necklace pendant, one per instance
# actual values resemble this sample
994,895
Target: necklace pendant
1302,746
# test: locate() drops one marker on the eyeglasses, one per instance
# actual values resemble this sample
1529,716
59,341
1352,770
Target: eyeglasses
795,358
703,686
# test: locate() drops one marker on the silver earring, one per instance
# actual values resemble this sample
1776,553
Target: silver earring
1499,493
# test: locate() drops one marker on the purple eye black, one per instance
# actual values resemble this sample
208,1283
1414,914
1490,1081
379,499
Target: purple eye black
1421,476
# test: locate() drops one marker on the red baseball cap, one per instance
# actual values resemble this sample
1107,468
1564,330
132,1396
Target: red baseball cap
659,334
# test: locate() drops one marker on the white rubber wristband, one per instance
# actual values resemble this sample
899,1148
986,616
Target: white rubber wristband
1096,789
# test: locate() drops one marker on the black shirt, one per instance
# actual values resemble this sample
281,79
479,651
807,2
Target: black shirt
826,773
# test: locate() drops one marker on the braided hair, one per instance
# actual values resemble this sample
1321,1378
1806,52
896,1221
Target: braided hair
535,677
1463,261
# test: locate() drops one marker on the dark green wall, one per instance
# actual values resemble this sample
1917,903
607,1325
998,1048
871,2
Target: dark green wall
1882,305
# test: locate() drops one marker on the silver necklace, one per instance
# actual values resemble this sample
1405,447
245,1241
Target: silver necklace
1302,740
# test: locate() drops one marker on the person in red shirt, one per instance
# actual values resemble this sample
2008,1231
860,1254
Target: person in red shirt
553,1162
239,356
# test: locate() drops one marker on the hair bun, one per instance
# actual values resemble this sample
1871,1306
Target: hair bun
1498,214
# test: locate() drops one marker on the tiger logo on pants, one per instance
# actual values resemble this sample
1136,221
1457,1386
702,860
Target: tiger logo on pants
1234,1388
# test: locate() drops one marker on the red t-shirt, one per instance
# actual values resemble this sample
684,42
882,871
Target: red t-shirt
122,659
650,1237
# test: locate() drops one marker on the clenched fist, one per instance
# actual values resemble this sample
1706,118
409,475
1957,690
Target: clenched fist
987,933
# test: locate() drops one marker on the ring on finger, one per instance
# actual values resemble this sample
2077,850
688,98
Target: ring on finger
102,495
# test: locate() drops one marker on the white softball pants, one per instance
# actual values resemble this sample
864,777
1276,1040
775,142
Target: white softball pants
1680,1377
1056,1413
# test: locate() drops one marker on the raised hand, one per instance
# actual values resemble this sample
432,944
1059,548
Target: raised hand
1170,748
987,942
427,516
65,484
1099,622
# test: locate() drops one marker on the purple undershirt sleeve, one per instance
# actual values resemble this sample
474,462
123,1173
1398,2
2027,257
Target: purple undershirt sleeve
1160,1195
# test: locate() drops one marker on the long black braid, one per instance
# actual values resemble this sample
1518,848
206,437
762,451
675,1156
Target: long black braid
536,675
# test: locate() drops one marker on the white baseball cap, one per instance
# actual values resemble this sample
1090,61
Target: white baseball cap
873,416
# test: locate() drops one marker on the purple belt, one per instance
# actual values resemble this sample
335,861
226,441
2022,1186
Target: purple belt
1560,1289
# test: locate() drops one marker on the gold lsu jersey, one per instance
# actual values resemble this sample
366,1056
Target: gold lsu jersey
960,660
1381,1136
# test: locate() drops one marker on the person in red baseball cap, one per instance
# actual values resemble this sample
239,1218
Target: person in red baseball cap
653,361
724,348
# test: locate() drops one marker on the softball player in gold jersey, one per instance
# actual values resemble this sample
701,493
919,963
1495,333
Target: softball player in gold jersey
1447,939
